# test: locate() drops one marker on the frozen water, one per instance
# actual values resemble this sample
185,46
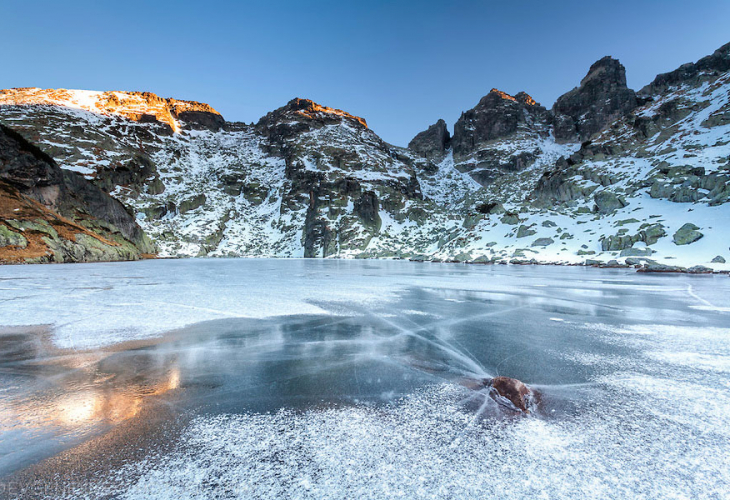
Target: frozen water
342,379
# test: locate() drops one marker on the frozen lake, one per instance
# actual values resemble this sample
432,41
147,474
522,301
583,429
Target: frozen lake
266,378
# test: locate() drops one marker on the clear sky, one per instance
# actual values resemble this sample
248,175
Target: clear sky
399,64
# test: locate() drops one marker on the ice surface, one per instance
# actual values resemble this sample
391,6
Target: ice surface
346,386
91,305
426,446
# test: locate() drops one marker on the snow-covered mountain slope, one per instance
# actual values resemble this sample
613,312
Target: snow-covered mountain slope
312,181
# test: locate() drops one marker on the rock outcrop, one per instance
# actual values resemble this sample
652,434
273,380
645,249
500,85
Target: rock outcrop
601,98
506,390
433,142
300,115
52,215
497,115
501,135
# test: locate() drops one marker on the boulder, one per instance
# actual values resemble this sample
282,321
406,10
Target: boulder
506,389
655,267
636,252
607,202
631,261
542,242
189,204
718,260
525,231
511,218
687,234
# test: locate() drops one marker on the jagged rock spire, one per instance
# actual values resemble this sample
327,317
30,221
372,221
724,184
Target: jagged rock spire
432,142
602,97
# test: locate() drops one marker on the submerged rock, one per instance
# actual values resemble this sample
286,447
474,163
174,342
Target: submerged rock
513,390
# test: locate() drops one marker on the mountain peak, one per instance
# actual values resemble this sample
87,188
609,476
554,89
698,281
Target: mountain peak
303,114
602,97
526,99
432,142
606,70
503,95
311,109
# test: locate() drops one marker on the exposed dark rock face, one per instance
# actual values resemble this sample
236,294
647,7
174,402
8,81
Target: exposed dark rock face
492,207
321,173
85,197
367,207
497,115
24,165
202,120
132,174
707,67
433,142
300,115
63,216
601,98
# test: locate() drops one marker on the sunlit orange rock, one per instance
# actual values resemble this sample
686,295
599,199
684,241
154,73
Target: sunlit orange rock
137,106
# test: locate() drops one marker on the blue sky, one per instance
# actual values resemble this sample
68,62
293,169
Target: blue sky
399,64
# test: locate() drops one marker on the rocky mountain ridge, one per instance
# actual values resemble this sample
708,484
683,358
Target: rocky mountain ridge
607,176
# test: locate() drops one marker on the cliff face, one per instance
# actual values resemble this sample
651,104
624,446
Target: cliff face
51,215
497,115
433,142
601,98
606,176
